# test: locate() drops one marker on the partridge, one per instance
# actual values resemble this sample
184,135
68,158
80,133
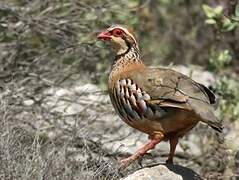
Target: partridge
160,102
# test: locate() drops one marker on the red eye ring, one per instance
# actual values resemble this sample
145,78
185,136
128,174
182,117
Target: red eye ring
117,32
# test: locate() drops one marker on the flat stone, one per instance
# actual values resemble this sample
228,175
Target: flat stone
164,172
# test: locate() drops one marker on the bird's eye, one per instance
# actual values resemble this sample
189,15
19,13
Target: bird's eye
117,32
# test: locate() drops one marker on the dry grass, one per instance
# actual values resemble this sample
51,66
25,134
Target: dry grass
38,144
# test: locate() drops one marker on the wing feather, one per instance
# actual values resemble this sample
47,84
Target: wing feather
168,88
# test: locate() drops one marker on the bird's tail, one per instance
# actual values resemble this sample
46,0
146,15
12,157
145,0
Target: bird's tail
206,114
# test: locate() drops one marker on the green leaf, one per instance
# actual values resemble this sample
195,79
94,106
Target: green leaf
208,11
210,21
226,22
237,11
218,10
212,12
229,27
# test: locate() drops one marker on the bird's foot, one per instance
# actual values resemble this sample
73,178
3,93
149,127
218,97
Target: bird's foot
141,152
126,162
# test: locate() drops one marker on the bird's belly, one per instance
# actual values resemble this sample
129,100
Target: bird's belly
176,124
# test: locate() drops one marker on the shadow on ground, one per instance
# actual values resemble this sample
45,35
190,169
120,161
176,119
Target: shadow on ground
184,172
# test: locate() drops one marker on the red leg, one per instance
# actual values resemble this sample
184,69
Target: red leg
142,151
173,144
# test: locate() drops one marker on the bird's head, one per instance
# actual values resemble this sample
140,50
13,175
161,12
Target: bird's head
122,38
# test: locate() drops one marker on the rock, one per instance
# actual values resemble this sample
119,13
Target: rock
164,172
74,100
231,135
28,102
191,143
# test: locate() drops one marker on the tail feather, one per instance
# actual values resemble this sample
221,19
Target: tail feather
206,114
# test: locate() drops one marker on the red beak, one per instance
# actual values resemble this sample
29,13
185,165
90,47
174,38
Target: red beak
106,36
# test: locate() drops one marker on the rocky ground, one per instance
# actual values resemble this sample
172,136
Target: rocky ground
169,172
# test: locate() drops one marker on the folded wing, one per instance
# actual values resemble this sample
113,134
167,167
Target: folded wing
168,88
